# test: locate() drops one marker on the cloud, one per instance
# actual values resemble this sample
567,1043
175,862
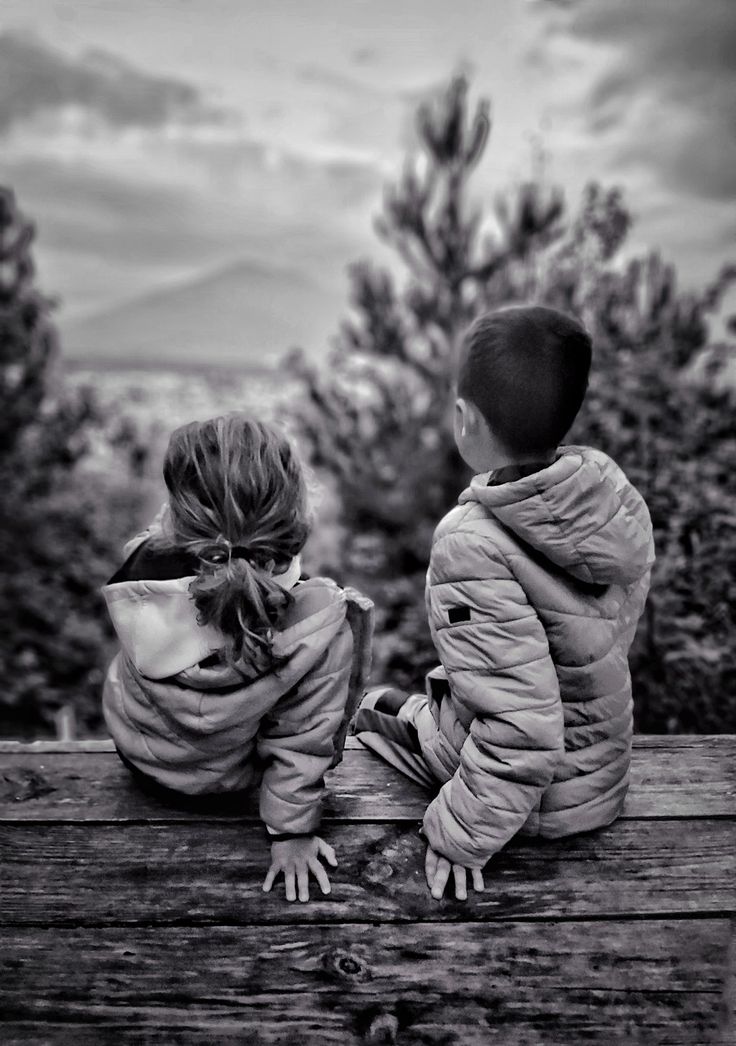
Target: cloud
36,79
144,213
335,81
137,174
641,95
136,183
666,96
365,55
82,209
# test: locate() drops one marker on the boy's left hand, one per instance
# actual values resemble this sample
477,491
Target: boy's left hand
437,869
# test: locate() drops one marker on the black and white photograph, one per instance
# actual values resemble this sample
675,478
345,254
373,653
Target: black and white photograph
367,523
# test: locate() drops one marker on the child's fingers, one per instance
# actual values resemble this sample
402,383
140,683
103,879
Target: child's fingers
319,874
302,878
459,875
270,876
440,879
289,879
430,865
327,851
478,883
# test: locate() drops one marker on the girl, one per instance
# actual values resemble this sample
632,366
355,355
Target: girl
230,666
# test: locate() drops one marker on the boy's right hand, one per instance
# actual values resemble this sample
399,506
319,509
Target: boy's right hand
296,858
437,870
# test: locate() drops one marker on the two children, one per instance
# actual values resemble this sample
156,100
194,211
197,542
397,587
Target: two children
232,667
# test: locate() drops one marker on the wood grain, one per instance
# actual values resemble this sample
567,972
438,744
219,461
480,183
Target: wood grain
94,786
102,744
510,983
128,921
92,874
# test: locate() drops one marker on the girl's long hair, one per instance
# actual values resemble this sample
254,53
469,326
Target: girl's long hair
238,503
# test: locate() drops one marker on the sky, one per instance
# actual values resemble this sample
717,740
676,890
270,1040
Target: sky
158,145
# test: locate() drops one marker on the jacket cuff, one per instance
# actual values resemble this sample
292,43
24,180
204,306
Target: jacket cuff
283,837
284,818
440,840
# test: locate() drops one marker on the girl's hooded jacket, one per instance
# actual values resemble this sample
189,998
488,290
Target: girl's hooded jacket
534,591
196,724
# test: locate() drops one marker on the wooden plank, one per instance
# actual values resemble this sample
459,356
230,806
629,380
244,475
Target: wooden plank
509,984
693,781
97,787
719,741
47,747
93,874
417,1021
94,786
712,741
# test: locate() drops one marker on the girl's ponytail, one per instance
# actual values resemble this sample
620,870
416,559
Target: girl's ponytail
244,602
238,504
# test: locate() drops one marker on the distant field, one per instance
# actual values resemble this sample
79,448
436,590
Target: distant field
159,400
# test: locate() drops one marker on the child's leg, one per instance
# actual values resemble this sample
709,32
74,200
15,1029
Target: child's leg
380,711
412,709
386,724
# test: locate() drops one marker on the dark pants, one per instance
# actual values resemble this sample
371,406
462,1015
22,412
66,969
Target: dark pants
211,802
396,730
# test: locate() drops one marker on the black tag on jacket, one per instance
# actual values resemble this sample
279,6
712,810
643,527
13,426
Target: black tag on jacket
457,614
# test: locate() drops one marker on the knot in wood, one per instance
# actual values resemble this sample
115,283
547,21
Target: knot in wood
25,785
378,871
347,965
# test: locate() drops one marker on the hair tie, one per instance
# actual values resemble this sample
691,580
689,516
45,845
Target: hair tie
222,552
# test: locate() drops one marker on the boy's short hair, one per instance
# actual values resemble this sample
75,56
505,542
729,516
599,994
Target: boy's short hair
526,370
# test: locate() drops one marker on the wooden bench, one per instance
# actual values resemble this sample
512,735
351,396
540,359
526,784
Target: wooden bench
124,921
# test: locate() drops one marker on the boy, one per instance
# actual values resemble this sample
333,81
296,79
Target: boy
536,582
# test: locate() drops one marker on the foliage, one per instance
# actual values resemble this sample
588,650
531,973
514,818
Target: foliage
60,522
378,421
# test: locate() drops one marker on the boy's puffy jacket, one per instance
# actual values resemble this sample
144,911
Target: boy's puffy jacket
198,725
534,591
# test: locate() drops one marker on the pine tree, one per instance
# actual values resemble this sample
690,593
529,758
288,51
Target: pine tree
28,343
41,429
378,421
60,529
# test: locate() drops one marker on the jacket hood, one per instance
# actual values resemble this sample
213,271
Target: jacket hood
156,624
581,513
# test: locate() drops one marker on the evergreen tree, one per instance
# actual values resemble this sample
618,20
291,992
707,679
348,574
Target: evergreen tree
378,421
41,430
60,527
27,339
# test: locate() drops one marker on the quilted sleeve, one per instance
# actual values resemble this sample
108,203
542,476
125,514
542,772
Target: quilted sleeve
502,679
296,742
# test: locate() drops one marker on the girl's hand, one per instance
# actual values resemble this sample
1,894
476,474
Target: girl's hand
437,869
296,858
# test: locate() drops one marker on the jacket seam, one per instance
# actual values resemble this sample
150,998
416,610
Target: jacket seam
140,733
447,627
309,804
499,671
285,718
557,523
577,613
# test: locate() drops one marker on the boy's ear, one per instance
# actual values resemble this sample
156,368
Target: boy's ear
466,417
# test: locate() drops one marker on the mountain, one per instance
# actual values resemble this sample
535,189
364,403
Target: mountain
245,314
